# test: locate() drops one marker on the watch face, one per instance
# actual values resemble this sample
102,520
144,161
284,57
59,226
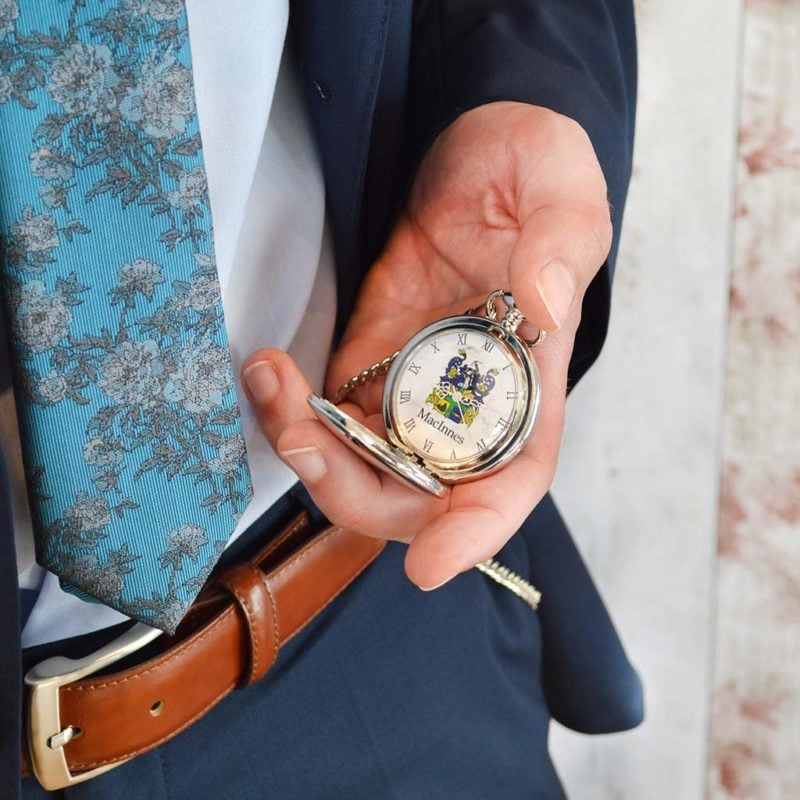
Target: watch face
458,395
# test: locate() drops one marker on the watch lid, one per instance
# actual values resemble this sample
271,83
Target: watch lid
374,449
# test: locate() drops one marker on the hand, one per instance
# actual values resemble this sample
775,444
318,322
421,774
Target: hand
509,196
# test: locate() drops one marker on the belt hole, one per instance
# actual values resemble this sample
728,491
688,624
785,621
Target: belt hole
156,708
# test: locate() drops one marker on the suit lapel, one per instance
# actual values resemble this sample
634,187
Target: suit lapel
340,47
10,656
10,659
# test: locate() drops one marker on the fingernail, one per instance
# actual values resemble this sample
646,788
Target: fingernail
556,287
307,462
437,586
261,379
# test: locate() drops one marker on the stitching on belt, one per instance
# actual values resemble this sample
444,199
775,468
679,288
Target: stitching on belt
183,648
306,551
252,633
150,746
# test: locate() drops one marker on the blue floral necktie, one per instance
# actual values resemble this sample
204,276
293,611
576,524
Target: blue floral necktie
136,463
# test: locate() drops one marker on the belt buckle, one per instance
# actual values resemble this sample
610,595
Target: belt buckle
46,734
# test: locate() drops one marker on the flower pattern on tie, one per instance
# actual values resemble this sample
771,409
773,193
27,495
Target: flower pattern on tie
131,354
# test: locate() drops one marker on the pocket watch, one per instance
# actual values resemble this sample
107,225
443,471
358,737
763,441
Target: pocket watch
460,400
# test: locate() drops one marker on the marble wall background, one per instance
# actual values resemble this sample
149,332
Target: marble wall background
680,474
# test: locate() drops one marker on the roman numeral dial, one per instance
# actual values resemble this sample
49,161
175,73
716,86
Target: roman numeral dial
456,397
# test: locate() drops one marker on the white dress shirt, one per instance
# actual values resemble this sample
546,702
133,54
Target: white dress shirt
273,250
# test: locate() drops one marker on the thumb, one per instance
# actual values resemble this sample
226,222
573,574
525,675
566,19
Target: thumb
560,249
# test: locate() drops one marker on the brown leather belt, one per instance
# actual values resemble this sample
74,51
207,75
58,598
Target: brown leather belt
79,727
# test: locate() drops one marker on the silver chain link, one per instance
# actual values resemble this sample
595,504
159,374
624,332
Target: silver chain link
510,580
377,370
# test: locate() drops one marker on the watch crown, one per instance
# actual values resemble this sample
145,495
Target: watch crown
512,318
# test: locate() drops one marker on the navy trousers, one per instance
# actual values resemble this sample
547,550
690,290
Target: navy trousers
397,693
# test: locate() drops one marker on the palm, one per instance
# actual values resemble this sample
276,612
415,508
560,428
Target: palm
415,283
449,249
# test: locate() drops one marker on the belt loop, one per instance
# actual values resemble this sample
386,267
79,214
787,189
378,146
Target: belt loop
248,586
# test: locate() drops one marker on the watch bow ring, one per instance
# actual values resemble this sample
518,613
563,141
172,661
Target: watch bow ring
460,400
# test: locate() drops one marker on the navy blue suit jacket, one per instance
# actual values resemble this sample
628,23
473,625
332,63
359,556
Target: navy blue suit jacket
383,77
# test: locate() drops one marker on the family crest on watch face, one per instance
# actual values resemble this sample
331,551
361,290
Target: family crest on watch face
460,392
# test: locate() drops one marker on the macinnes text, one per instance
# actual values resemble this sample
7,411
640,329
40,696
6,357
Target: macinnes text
439,424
